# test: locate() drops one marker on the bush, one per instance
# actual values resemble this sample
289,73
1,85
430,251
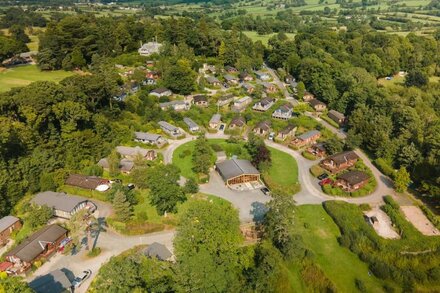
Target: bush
360,285
185,154
316,170
216,147
365,207
308,156
435,220
384,167
94,252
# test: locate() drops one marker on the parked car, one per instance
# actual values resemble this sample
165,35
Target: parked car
325,181
271,136
130,186
265,190
322,176
222,127
78,281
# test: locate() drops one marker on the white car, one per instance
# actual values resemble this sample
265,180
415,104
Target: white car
271,135
79,280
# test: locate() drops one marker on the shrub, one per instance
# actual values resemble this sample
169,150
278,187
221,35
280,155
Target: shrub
384,167
316,170
185,154
216,147
435,220
308,156
365,207
94,252
360,285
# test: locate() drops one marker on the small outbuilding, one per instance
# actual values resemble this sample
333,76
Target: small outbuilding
159,251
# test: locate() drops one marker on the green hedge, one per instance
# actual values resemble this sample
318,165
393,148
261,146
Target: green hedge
329,121
385,168
308,156
431,216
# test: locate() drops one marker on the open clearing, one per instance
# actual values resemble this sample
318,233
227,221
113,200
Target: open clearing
340,265
416,217
24,75
383,226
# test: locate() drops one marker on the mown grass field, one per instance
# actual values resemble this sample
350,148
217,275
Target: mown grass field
24,75
340,265
254,36
283,171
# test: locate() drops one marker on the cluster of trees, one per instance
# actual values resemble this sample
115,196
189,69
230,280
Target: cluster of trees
399,123
258,151
24,18
202,156
74,40
48,130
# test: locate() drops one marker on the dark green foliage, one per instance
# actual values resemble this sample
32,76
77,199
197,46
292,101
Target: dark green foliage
405,261
333,146
10,47
416,78
360,285
38,216
133,271
165,192
14,285
122,207
258,151
206,246
202,156
191,186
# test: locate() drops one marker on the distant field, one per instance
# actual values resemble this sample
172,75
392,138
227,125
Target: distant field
263,38
24,75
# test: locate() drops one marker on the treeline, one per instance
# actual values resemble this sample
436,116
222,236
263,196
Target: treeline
284,21
18,16
399,124
74,40
48,129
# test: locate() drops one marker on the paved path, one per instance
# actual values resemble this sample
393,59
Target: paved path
112,244
338,132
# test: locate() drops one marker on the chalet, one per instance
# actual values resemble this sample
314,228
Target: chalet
213,81
336,116
293,85
244,76
318,150
149,48
42,243
150,63
88,182
263,105
269,88
248,88
284,112
287,132
237,122
215,121
161,92
225,100
53,282
308,96
317,105
230,79
63,205
153,74
307,138
237,171
177,105
170,129
125,165
241,104
207,68
149,81
289,78
149,138
200,100
8,225
262,75
121,96
158,251
352,180
136,152
262,128
192,126
231,69
340,161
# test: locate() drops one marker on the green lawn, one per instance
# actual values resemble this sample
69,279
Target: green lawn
338,263
284,169
283,172
254,36
24,75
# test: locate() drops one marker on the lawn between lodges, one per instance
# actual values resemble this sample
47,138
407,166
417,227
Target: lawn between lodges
26,74
283,172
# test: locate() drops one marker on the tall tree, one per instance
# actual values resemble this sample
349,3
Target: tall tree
202,155
402,180
206,247
122,206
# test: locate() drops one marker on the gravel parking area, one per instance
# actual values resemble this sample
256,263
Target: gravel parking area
416,217
383,226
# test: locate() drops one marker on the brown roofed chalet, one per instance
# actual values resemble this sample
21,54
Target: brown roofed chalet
86,182
354,177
